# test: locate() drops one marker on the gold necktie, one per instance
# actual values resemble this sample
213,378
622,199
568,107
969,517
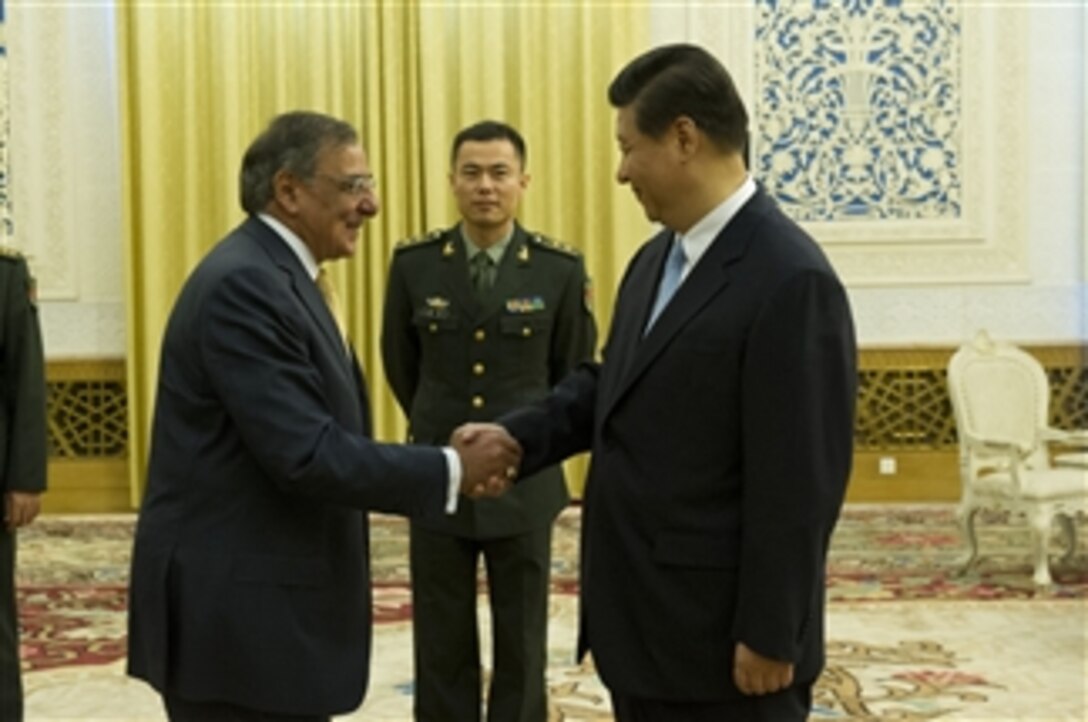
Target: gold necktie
332,299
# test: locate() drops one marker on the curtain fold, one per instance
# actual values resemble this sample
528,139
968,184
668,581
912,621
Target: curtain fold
201,79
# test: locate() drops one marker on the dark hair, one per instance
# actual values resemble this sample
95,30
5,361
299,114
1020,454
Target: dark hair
291,142
490,130
674,80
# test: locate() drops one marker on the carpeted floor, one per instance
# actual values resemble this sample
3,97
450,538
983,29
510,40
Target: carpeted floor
909,639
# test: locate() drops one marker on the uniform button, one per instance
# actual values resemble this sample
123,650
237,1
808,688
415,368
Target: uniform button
433,327
526,331
478,368
479,335
477,402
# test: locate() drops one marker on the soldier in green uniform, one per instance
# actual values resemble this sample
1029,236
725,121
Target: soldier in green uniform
22,451
480,319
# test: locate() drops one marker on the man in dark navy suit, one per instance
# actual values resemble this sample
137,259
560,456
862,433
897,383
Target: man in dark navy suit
720,420
250,589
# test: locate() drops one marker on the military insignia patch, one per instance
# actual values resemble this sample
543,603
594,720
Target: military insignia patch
531,304
587,296
437,306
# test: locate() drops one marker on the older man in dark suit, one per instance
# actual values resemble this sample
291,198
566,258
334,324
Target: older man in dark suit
250,590
720,421
22,451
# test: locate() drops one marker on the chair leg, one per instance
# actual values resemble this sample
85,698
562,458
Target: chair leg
1040,532
965,515
1069,535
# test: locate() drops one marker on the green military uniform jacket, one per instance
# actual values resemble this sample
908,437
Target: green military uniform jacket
451,358
22,380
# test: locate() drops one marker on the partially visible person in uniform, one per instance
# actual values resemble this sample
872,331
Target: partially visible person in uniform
481,319
22,452
250,590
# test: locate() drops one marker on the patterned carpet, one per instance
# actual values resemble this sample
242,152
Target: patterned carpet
910,639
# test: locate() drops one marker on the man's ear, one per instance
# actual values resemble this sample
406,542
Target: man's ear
688,137
285,191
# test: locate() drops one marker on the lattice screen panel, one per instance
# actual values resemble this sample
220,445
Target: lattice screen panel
87,410
902,401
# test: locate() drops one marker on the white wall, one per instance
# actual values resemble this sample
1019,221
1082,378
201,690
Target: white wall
65,165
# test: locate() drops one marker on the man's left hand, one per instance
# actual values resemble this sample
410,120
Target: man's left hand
756,674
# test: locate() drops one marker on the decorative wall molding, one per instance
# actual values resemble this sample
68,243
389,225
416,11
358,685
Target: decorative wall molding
45,181
859,110
896,134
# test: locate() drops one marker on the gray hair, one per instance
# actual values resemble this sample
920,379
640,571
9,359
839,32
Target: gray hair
291,142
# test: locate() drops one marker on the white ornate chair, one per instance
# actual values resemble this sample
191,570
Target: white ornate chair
1000,396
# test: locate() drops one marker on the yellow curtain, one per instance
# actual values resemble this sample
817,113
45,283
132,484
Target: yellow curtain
200,79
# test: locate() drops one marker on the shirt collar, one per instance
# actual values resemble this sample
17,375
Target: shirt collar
495,251
300,249
706,229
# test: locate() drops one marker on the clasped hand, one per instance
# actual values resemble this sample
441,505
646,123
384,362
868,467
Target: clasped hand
755,674
490,458
20,508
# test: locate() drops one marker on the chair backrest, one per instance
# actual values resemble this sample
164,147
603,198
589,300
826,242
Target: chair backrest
1000,392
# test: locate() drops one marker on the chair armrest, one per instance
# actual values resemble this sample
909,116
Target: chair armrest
996,447
1075,437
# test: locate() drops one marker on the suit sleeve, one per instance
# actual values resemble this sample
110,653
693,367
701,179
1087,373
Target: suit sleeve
559,425
256,345
24,376
399,342
575,337
799,386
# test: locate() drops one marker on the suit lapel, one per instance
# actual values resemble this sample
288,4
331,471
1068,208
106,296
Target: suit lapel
709,279
304,289
632,310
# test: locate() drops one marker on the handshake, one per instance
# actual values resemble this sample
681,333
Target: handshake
490,458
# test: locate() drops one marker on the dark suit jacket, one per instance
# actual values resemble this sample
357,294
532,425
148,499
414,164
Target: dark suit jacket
451,358
250,573
721,448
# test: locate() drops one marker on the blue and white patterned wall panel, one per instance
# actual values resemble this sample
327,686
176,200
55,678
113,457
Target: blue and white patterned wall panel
5,195
859,107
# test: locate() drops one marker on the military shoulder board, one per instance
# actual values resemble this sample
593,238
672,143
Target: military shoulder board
9,252
421,240
553,245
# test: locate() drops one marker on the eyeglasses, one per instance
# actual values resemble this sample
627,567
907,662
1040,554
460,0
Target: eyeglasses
355,186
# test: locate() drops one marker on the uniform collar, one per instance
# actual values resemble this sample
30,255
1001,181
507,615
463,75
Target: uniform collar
496,251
